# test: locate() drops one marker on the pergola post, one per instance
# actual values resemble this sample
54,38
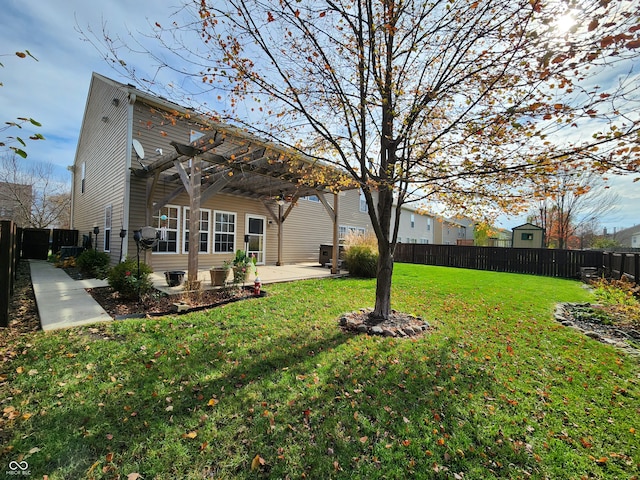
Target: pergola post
336,247
280,235
194,218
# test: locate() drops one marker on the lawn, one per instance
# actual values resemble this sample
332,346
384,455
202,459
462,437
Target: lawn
272,388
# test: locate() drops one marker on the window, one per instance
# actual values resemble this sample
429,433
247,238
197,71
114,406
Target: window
82,173
364,208
224,232
167,221
428,224
343,230
413,220
311,198
107,228
203,234
526,236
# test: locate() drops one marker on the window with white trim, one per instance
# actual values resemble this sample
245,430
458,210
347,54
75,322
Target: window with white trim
224,232
413,220
82,176
364,208
203,232
107,227
167,221
343,230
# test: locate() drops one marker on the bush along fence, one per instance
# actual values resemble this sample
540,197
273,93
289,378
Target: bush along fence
535,261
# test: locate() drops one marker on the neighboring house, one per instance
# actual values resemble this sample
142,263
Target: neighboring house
132,170
500,238
625,236
415,227
527,236
635,240
15,203
453,231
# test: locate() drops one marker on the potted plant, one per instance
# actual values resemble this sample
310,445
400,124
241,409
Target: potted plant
242,265
219,275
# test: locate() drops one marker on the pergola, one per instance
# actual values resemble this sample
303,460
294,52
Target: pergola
231,161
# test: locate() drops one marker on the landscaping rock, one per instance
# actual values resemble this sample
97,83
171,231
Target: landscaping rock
398,325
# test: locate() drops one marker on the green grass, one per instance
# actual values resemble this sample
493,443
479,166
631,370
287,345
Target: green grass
497,390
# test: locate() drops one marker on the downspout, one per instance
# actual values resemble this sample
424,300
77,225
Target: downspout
126,202
72,170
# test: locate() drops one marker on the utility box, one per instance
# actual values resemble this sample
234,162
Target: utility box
326,254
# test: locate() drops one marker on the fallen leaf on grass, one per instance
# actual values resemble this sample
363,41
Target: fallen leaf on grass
257,462
134,476
192,434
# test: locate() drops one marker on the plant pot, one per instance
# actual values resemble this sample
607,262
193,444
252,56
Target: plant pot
218,276
174,278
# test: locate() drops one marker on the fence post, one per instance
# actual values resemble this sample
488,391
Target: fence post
7,232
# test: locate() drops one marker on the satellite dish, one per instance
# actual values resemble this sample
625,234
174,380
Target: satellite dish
146,237
137,146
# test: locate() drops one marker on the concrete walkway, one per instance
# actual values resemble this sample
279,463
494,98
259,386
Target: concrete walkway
63,302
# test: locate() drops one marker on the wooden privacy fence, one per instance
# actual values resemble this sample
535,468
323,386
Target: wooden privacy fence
535,261
8,264
16,243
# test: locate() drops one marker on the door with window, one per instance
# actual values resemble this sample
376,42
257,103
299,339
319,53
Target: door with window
255,232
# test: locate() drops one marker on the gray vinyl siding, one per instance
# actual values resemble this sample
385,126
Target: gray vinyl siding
102,148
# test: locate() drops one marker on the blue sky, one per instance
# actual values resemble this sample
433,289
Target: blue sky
53,90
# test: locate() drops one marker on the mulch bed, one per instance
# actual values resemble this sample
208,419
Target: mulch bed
159,304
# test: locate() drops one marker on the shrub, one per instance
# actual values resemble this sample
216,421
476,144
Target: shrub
93,263
123,278
621,296
361,254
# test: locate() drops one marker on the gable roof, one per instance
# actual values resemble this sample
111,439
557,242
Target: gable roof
527,226
235,161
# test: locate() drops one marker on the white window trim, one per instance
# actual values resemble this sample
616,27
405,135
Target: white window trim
264,233
107,227
364,208
177,230
213,231
185,229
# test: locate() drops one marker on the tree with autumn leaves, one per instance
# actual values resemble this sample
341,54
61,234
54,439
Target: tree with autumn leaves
467,103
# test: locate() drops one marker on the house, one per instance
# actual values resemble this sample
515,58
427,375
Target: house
635,240
527,235
454,231
415,226
16,201
144,161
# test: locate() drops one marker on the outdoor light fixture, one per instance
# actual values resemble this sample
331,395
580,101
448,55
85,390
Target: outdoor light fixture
280,199
123,233
115,102
96,231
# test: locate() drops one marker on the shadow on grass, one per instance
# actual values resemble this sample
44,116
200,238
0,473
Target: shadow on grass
313,402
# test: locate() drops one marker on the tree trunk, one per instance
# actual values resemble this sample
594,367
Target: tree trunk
383,285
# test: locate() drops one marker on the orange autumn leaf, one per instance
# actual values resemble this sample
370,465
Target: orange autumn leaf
192,434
